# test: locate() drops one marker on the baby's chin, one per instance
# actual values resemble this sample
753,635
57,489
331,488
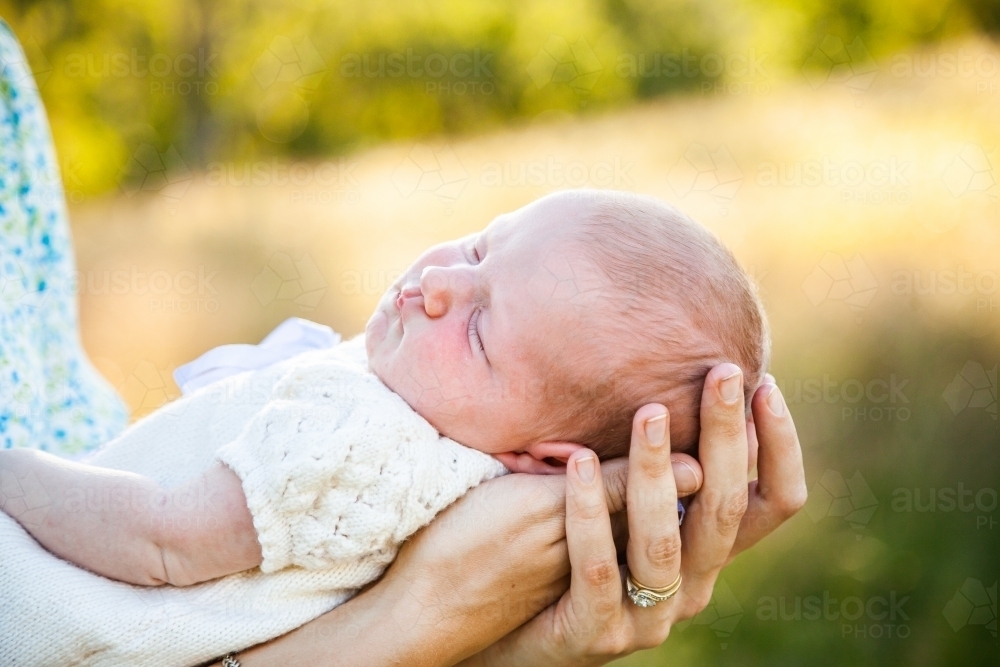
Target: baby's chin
375,333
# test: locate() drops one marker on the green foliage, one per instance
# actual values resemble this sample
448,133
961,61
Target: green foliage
236,79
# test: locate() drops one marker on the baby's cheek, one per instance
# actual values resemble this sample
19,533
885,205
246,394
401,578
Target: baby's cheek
445,344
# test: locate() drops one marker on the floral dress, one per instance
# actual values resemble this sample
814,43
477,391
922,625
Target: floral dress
51,397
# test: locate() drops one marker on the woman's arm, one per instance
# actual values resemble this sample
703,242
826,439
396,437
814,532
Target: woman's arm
127,527
483,567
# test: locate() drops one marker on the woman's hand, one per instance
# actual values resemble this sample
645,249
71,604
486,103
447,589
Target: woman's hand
595,622
482,568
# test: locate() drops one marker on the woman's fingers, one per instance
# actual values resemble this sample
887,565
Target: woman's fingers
595,583
753,445
688,476
654,547
780,488
687,473
717,511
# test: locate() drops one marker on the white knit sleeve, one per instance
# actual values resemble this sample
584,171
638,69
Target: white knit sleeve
338,470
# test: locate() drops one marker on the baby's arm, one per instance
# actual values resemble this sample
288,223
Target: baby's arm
127,527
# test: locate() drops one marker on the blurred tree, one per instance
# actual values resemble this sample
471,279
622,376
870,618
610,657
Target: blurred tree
213,80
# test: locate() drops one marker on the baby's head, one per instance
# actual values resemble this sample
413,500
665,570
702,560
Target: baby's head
559,320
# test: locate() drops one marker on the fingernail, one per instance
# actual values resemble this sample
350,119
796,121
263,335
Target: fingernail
656,429
775,402
681,480
585,469
730,388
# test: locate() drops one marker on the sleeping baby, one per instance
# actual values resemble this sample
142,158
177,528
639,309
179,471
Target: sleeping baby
267,498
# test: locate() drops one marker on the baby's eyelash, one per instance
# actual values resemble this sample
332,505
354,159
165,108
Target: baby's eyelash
474,330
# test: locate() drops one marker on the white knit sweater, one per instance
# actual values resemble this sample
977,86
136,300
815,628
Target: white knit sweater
338,471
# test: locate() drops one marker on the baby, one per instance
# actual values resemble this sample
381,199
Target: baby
294,486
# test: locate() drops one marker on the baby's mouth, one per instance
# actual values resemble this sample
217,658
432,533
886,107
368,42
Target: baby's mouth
398,303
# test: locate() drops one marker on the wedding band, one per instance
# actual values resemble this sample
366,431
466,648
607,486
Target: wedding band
644,596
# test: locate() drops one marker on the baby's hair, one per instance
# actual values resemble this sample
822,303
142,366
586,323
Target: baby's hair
679,305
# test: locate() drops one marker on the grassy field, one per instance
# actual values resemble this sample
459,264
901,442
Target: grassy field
867,211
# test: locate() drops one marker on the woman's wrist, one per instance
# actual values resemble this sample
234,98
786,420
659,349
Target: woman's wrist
526,648
385,624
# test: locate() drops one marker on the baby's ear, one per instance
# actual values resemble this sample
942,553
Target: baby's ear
543,458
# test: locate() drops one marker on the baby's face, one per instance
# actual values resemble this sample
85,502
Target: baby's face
466,336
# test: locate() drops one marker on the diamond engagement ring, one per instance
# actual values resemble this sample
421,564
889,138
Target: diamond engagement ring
643,596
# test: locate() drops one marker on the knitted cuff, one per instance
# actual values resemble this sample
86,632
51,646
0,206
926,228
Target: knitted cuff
274,532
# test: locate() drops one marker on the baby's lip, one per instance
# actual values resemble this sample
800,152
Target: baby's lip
407,292
398,304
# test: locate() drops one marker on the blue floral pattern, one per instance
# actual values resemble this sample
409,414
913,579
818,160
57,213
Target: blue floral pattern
51,397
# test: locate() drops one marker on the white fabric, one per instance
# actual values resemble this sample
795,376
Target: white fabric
337,471
291,337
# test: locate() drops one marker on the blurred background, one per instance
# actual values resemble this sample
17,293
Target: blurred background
229,164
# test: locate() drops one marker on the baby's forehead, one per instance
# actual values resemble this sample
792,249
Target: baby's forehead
559,212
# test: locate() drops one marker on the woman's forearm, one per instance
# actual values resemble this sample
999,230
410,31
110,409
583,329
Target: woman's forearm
472,576
381,626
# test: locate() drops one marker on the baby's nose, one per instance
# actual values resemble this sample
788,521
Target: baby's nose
444,288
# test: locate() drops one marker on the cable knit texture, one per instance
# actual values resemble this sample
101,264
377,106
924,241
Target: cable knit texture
338,471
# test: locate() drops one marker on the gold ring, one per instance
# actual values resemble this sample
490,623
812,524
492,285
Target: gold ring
644,596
